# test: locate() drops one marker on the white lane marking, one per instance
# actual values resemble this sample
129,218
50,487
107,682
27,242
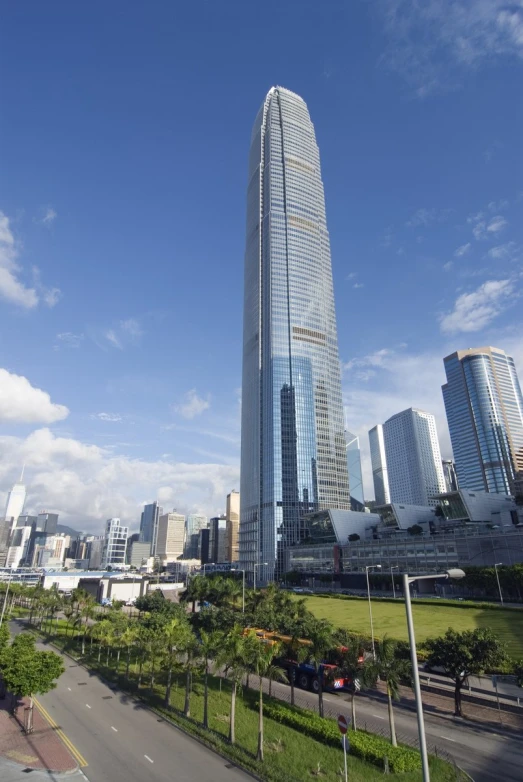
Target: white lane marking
115,729
69,689
447,738
87,705
148,758
378,716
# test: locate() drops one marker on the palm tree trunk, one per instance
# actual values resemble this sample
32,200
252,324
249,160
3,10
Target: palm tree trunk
293,676
169,683
353,710
128,663
206,696
140,669
107,656
232,732
391,719
99,651
187,704
259,756
457,698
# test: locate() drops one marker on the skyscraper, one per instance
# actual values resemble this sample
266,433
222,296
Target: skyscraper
413,458
293,458
380,475
114,544
15,503
149,525
232,515
193,525
484,409
171,536
357,501
449,473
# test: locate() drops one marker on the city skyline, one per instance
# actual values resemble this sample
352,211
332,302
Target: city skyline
122,232
293,451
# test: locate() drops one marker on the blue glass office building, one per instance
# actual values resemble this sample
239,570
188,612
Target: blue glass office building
484,409
293,458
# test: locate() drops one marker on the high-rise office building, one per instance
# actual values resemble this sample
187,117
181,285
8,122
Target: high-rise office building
218,540
15,503
293,458
114,545
232,515
380,475
484,409
357,501
413,458
449,473
149,525
171,536
193,525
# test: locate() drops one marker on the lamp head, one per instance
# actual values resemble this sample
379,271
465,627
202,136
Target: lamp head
456,573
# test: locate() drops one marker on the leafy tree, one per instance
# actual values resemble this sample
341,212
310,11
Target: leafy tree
210,644
518,671
198,589
465,654
234,657
392,669
416,529
354,537
27,671
151,602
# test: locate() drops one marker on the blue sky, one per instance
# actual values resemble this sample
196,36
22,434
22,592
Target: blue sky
125,134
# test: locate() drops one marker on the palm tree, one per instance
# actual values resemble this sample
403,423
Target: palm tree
389,667
210,643
190,664
197,590
353,667
235,658
87,607
261,660
128,639
321,641
177,636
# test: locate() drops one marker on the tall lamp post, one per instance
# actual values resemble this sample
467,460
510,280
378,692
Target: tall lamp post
257,564
497,578
407,581
207,564
393,567
367,568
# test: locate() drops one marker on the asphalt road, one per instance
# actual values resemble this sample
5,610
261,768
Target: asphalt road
124,742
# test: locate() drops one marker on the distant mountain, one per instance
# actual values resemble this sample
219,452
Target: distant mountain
68,530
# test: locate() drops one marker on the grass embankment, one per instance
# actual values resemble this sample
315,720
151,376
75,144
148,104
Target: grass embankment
430,619
290,756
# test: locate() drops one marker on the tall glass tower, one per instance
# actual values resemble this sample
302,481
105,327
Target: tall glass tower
484,409
293,457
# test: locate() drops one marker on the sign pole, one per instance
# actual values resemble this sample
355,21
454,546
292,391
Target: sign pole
345,756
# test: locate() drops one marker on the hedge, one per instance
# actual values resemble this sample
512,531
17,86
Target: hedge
365,746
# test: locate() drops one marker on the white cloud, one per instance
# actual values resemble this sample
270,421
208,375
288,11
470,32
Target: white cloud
48,217
427,216
497,223
20,402
358,285
448,266
52,296
497,206
463,250
111,417
87,484
193,405
351,275
473,311
131,327
11,288
432,43
113,340
70,340
482,228
504,252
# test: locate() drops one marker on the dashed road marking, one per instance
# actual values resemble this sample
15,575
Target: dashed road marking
87,705
115,729
148,758
69,689
378,716
447,738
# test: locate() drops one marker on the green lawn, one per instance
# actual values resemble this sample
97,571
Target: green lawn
429,620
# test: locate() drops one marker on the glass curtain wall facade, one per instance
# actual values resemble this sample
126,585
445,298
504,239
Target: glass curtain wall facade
484,409
293,458
380,475
357,501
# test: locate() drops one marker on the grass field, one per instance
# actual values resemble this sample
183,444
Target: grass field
429,620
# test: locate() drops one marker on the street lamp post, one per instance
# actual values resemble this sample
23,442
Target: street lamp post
393,567
497,564
367,568
207,564
257,564
407,581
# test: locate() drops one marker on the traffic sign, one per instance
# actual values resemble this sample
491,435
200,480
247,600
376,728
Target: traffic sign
342,723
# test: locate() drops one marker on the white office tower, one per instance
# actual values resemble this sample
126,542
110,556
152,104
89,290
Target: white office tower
115,543
413,458
378,459
171,536
15,503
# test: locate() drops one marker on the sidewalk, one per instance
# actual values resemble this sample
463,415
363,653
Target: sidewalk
43,749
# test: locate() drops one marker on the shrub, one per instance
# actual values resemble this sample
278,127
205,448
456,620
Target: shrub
365,746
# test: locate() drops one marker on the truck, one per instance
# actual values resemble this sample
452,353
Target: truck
304,673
